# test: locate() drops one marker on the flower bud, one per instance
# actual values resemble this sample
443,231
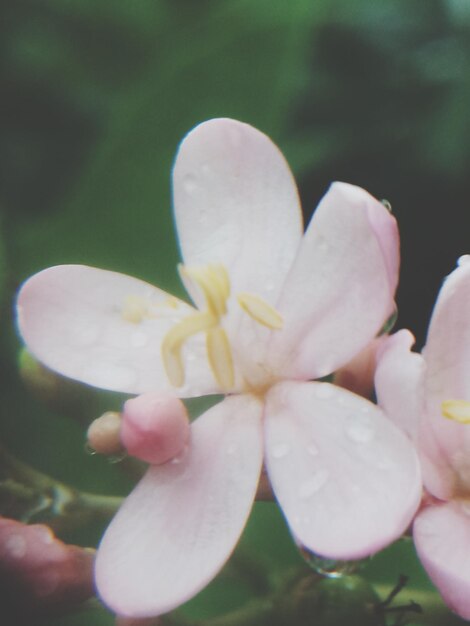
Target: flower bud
103,434
38,573
155,427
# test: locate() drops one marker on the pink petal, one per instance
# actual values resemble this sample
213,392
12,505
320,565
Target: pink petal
71,318
399,381
236,203
358,374
341,287
447,355
347,479
180,524
442,539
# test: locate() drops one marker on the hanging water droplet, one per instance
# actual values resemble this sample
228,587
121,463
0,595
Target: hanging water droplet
116,458
280,450
387,205
463,260
313,484
329,568
89,450
360,429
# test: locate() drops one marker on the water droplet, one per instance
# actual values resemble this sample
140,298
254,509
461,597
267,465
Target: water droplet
15,546
312,449
387,205
360,429
280,450
312,485
116,458
463,260
89,450
190,184
138,339
176,460
324,391
44,534
329,568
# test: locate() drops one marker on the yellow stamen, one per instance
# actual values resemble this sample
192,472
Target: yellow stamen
220,357
260,310
174,340
214,283
457,410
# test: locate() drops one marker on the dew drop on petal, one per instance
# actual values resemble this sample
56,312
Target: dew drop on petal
312,449
312,485
280,450
190,183
360,429
463,260
329,568
15,546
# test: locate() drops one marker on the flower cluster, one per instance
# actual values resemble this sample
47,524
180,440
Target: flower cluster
274,311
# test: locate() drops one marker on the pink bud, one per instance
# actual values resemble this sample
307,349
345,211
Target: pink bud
103,434
155,427
38,573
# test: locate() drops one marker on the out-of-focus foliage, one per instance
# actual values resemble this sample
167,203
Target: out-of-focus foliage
96,95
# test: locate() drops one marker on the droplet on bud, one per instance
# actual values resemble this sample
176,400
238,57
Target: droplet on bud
103,435
155,427
329,568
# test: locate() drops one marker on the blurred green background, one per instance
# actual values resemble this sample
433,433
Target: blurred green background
97,94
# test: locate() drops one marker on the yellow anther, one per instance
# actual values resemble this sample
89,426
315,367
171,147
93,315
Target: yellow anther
260,310
220,357
456,410
174,340
135,309
214,283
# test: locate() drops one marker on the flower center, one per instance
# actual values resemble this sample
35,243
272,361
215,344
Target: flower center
209,287
456,410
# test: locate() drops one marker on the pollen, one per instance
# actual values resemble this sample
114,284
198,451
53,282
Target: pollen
260,310
456,410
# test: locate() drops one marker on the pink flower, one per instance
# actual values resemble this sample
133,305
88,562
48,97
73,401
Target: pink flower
429,397
273,309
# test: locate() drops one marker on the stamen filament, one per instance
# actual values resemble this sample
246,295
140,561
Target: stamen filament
173,342
260,310
220,357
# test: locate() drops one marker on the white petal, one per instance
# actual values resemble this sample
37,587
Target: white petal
347,479
341,287
236,203
442,538
73,319
181,523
